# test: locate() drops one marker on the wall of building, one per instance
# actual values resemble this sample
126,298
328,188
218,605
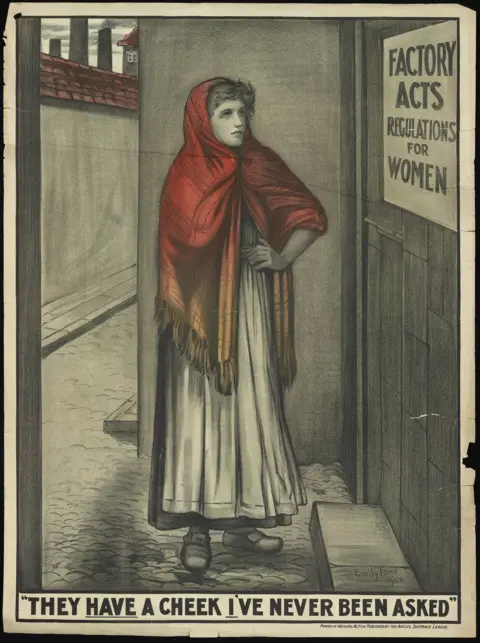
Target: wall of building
130,61
89,196
298,104
412,364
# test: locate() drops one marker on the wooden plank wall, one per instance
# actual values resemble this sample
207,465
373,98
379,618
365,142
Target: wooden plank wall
412,446
412,394
373,392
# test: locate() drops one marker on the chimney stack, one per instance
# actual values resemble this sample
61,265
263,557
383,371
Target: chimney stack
55,48
104,60
79,40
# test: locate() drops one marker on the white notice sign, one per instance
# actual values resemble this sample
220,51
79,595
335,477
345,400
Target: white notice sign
420,122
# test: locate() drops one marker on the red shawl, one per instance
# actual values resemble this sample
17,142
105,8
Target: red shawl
199,242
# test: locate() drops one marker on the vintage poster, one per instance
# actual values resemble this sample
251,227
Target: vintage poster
239,319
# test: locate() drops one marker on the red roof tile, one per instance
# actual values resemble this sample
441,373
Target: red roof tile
68,80
130,40
47,91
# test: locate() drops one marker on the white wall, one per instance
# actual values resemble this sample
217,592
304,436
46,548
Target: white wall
89,197
294,66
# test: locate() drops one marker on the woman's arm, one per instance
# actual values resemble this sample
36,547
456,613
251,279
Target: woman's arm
263,257
298,242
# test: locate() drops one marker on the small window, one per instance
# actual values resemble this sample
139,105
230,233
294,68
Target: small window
131,56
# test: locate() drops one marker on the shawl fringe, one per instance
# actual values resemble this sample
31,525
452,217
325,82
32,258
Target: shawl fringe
287,366
195,348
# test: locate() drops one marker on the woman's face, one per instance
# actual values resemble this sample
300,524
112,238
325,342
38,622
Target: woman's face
228,122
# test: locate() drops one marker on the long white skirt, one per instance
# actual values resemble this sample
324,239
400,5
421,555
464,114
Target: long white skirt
231,456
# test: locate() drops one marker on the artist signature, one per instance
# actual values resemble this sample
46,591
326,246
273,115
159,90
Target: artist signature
391,575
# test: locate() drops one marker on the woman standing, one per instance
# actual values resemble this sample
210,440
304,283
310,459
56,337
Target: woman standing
233,219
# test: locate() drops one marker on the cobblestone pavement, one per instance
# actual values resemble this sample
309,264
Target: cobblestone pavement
96,535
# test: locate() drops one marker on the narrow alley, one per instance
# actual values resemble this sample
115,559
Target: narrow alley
95,488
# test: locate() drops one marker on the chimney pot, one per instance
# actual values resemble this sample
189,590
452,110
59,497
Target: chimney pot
79,40
55,48
104,60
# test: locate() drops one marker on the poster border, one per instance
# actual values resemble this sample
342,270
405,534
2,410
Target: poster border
34,10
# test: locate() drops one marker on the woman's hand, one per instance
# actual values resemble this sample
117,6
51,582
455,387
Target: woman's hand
263,257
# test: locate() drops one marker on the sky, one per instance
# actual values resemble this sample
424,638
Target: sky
60,28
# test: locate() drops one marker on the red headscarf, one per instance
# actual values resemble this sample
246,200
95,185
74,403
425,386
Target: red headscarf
199,241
